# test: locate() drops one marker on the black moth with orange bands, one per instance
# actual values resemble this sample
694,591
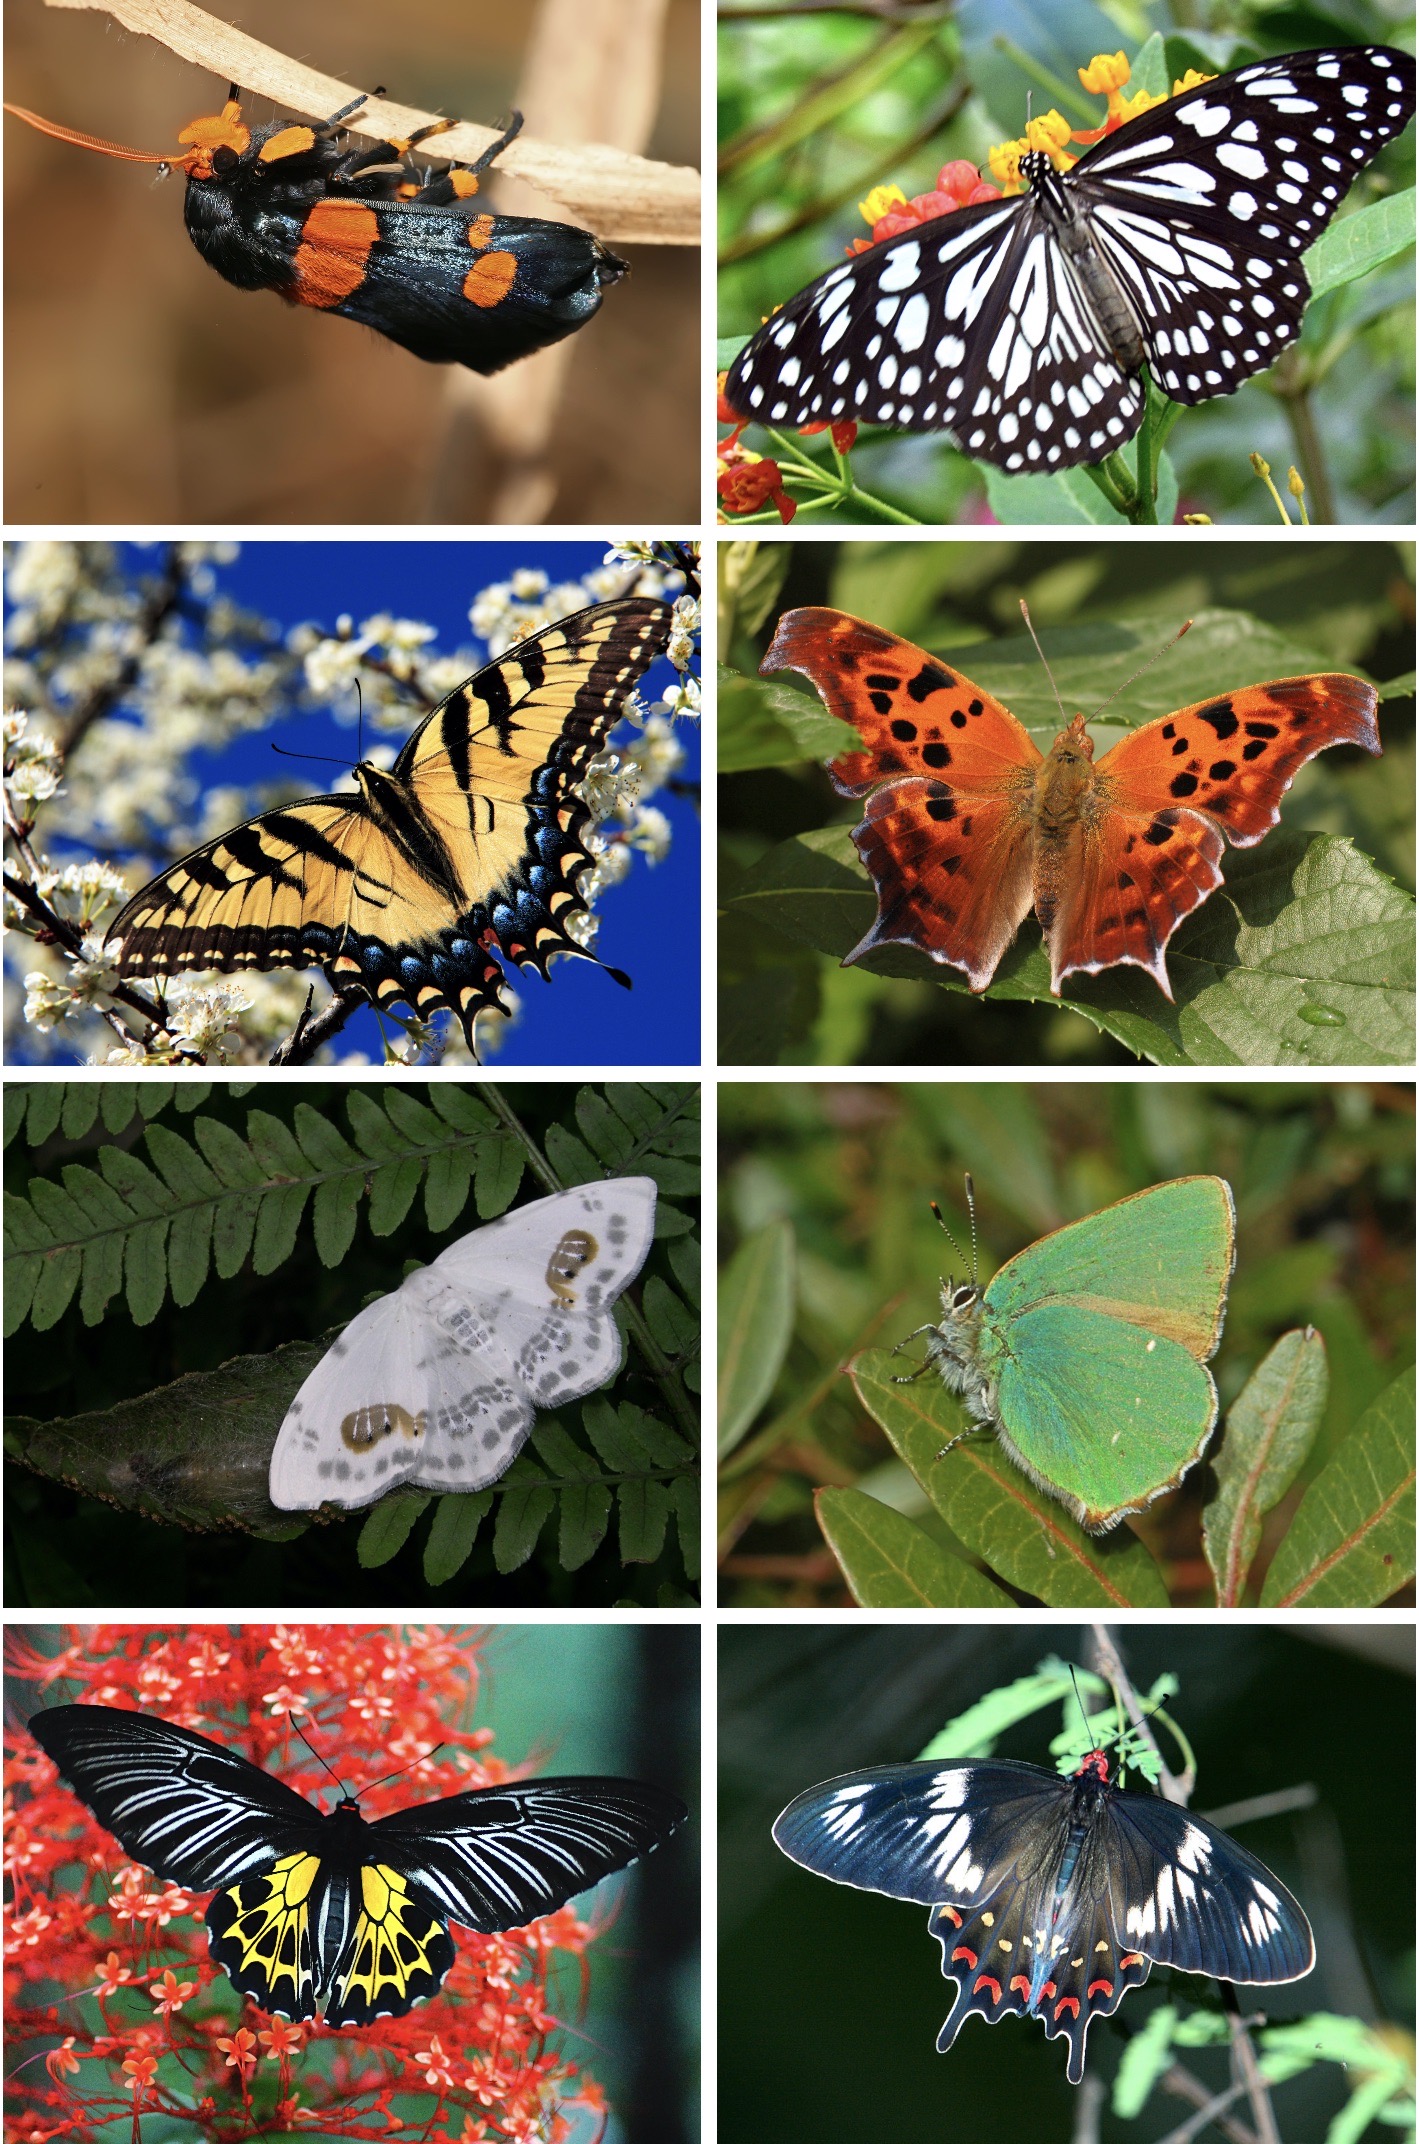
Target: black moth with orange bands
361,229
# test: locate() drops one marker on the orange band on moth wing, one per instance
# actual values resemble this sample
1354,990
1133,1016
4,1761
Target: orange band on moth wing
480,230
334,252
490,279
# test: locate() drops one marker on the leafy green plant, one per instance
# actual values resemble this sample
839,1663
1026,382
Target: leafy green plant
117,1238
1307,1497
1305,954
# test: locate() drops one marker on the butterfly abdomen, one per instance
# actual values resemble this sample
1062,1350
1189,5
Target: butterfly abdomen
1111,308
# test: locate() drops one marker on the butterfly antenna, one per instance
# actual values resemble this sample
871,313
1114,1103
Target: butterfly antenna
1025,614
1186,627
946,1226
971,1210
404,1768
319,1759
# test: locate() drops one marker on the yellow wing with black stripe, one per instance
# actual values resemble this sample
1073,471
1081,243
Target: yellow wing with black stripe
464,855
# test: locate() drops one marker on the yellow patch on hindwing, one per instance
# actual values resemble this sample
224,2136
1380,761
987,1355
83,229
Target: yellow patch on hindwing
260,1934
399,1953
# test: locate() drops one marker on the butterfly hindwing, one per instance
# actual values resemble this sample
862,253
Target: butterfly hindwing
464,854
1188,220
438,1383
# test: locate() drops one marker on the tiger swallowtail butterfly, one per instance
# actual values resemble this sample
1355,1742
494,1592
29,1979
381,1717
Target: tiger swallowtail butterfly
467,852
328,1910
1022,326
1050,1897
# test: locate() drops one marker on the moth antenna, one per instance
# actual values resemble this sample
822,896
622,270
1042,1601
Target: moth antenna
1025,614
319,1759
971,1210
1185,627
404,1768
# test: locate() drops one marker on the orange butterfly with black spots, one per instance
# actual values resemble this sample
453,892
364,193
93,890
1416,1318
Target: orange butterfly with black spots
968,825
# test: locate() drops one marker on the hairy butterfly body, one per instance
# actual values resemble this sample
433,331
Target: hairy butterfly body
968,826
358,229
467,852
437,1384
1050,1897
1022,326
333,1912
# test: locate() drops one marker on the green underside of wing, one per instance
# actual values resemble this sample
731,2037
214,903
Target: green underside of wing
1101,1413
1159,1261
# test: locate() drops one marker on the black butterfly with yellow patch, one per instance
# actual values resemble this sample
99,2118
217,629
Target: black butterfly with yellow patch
465,853
326,1909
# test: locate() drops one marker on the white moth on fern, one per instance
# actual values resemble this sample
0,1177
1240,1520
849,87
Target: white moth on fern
437,1383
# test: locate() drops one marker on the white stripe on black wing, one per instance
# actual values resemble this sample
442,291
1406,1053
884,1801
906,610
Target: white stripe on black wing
501,1856
193,1812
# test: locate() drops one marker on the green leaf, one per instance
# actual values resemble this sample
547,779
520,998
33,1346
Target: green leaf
684,1256
1271,1427
775,725
1351,1543
145,1269
523,1511
446,1186
451,1535
320,1142
334,1215
756,1302
388,1527
685,1503
890,1563
602,1128
585,1515
1305,956
563,1459
393,1190
994,1510
1355,245
672,1327
497,1174
46,1108
643,1507
377,1137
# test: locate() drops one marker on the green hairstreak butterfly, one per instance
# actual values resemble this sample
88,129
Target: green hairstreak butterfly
1086,1354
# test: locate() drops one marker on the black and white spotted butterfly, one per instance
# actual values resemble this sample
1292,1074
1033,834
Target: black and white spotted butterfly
1022,325
330,1910
1051,1897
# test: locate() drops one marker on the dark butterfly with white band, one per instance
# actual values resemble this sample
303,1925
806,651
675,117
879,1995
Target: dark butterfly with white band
1022,325
1050,1897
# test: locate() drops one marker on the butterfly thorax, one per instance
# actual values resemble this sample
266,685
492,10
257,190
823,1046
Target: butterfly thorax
413,833
1062,211
953,1349
1064,781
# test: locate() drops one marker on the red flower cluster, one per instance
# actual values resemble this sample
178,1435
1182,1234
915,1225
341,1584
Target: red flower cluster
107,1971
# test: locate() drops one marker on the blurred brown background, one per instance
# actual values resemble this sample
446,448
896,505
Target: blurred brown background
140,387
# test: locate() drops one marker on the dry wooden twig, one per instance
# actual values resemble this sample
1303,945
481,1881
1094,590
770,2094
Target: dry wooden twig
620,197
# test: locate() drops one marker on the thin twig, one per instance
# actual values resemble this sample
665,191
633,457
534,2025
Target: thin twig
1205,2116
623,197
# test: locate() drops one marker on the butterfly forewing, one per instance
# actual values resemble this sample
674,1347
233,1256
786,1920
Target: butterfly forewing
506,1855
1019,326
193,1812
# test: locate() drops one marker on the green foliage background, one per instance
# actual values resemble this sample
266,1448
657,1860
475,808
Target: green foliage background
817,107
1324,1183
1103,607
